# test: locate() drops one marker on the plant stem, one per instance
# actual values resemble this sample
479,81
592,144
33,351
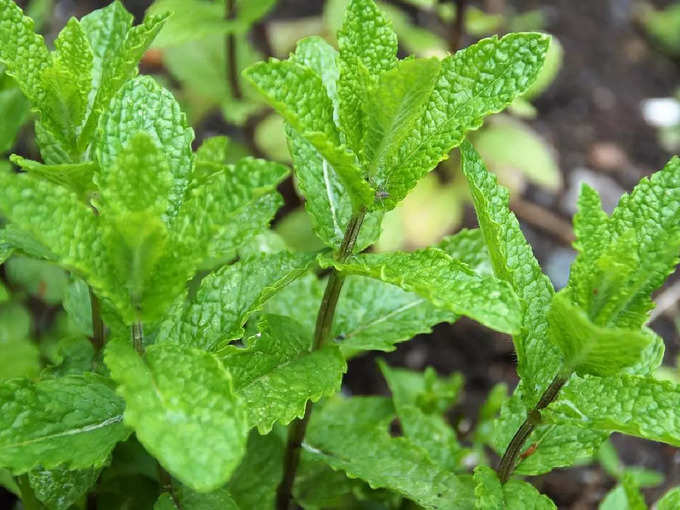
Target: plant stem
507,463
97,323
458,28
28,499
324,322
230,55
138,337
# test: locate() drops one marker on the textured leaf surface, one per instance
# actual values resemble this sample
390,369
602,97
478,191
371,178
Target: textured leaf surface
473,83
227,297
631,256
182,406
75,176
74,421
143,105
520,495
368,46
468,246
277,373
254,483
59,488
445,282
488,489
638,406
513,261
670,500
297,93
352,435
422,422
592,349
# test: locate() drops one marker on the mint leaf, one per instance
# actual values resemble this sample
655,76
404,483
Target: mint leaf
143,105
393,105
298,95
513,261
670,500
254,483
473,83
632,254
23,51
352,435
60,488
589,348
520,495
445,282
182,406
625,496
74,421
74,176
637,406
368,46
488,489
422,425
227,297
277,372
468,246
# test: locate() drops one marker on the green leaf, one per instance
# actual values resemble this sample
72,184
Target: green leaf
78,306
625,496
473,83
143,105
277,372
184,411
227,297
14,109
219,498
468,246
352,435
254,483
23,51
373,315
520,495
631,256
488,489
20,358
74,422
425,427
74,176
393,106
638,406
670,500
588,348
513,261
40,278
368,47
60,488
326,198
297,93
445,282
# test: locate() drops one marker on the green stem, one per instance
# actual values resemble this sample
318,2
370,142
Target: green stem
324,322
138,337
97,323
230,55
509,460
28,499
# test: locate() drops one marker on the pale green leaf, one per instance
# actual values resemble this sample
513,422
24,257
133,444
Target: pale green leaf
473,83
143,105
352,435
638,406
488,489
513,261
23,51
393,106
445,282
184,411
670,500
20,357
227,297
59,488
78,306
368,47
468,246
277,372
625,496
218,499
74,421
14,108
520,495
589,348
74,176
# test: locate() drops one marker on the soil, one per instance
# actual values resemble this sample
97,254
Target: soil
609,68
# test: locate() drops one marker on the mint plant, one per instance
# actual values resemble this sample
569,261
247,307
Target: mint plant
217,354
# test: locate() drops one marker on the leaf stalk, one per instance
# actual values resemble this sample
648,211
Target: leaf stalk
324,322
509,460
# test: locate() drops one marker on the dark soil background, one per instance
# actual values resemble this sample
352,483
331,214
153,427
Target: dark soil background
591,115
